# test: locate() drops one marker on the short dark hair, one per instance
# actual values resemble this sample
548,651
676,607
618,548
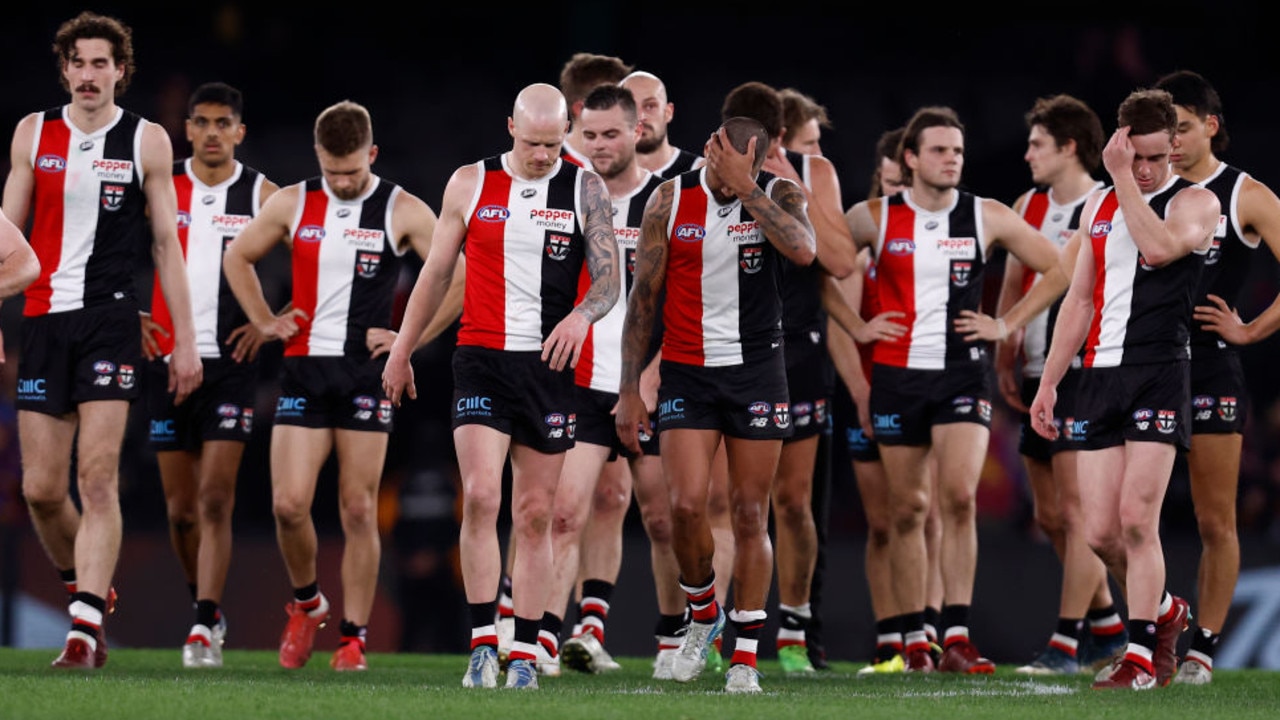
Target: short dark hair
798,109
740,130
923,119
1192,91
92,26
584,71
344,128
1148,111
218,93
887,148
1068,118
606,97
757,101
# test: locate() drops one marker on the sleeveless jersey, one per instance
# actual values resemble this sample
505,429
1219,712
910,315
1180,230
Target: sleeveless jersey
600,363
1226,265
345,268
1056,222
89,221
929,267
525,249
723,303
804,319
1141,313
209,218
679,164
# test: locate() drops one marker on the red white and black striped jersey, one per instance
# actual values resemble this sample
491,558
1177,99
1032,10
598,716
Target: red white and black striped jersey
929,267
1226,266
600,363
804,319
345,268
723,303
1141,313
89,212
1057,222
209,218
524,249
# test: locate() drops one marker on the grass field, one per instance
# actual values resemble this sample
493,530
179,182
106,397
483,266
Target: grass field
139,684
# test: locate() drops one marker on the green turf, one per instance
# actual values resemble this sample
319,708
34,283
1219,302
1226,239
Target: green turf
152,684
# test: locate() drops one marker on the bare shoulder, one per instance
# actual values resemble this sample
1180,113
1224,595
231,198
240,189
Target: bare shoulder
25,131
1195,201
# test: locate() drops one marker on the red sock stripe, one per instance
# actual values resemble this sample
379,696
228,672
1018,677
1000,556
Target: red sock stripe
918,646
549,645
1064,648
490,640
785,643
519,655
706,613
595,607
743,658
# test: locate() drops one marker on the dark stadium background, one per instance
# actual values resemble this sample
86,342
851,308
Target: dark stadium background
439,82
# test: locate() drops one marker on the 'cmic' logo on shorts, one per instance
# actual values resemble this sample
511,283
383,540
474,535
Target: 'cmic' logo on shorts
886,425
671,409
290,406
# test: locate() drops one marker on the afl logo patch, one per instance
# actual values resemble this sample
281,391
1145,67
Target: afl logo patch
690,232
493,213
184,219
900,247
1102,228
51,163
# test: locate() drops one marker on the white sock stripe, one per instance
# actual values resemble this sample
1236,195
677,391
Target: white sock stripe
1139,650
742,616
1064,641
691,590
592,621
1166,603
746,645
550,637
802,611
77,635
889,639
796,635
517,646
957,631
595,601
916,637
483,631
84,611
1201,658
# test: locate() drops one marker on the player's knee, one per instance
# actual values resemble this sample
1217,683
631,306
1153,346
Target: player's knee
750,518
1216,528
658,527
216,505
290,510
482,504
359,514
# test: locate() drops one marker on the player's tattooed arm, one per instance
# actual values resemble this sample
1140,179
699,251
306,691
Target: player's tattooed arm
602,250
646,287
784,218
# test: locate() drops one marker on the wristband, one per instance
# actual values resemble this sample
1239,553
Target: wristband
1002,329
